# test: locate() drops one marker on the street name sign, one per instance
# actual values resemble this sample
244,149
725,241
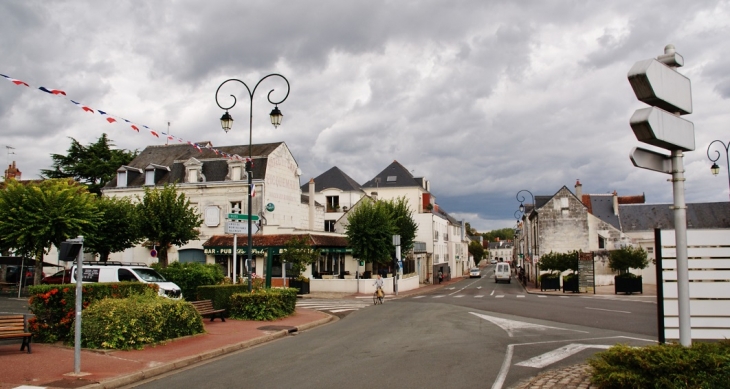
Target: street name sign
660,128
240,216
651,160
239,228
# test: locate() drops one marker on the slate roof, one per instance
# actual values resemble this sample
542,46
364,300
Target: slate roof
646,217
279,240
215,167
601,206
393,176
333,178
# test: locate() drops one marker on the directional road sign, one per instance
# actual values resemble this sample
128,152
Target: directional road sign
661,86
239,228
647,159
660,128
240,216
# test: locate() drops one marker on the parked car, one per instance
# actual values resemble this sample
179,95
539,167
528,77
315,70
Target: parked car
61,277
493,261
13,276
502,272
475,272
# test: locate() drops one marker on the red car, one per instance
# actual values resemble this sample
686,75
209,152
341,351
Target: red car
62,277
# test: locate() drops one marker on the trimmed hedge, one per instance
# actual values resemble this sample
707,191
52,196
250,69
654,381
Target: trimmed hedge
221,294
189,276
133,322
54,305
703,365
264,304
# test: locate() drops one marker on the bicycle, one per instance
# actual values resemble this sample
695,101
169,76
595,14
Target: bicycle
377,299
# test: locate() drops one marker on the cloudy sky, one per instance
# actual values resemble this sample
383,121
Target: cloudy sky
483,98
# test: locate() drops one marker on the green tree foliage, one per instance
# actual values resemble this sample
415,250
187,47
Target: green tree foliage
37,215
189,276
94,165
370,232
470,231
502,234
559,262
167,218
477,250
626,258
402,218
300,254
117,229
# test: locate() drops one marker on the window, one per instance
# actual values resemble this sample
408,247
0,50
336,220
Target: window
236,207
329,225
333,203
601,242
149,177
391,179
126,275
121,179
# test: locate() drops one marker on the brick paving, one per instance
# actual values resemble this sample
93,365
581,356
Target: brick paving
573,377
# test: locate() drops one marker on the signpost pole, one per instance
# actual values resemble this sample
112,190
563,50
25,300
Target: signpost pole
79,300
235,260
680,231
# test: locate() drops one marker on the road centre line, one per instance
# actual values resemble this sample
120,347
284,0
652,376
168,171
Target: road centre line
609,310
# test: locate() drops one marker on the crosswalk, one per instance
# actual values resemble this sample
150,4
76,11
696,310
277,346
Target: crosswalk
522,296
334,305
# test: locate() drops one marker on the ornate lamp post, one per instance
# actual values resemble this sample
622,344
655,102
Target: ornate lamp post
227,124
716,169
521,199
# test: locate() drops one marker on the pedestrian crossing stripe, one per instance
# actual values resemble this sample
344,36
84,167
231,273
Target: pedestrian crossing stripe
478,296
438,297
419,297
520,296
459,296
499,296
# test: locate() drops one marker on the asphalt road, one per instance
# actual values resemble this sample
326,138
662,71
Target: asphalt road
431,341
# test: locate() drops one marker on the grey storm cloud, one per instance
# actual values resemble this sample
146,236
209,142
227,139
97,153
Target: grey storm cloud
481,98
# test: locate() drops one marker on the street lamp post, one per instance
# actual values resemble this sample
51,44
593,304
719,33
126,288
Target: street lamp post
521,199
716,169
227,123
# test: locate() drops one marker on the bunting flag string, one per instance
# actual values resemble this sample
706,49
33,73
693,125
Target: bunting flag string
112,119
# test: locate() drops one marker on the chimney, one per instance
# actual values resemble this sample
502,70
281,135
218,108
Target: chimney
579,190
311,204
12,172
615,203
374,196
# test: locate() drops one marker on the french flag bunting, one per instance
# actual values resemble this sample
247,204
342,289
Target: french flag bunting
16,82
111,120
85,108
52,91
135,128
154,133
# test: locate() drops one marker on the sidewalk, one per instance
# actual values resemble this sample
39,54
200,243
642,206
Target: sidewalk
51,365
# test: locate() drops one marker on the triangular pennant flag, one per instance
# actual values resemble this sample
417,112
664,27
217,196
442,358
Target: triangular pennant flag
154,133
135,128
111,120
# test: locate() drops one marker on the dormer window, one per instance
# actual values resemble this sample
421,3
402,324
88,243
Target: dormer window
193,171
153,173
126,175
236,170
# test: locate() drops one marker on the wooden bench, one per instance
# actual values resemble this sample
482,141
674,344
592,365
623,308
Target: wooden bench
205,308
14,326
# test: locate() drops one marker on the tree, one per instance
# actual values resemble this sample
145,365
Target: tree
502,234
300,254
94,165
402,219
559,262
166,218
370,232
477,250
117,229
37,215
470,231
626,258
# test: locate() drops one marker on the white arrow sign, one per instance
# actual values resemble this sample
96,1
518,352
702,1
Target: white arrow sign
647,159
660,86
556,355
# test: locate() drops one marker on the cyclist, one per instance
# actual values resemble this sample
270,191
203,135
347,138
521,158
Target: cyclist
379,286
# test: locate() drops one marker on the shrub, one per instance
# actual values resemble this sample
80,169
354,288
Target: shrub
559,262
133,322
189,276
54,305
264,304
703,365
221,294
626,258
548,276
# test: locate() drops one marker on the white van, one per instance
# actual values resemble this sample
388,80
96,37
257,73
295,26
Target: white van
502,272
113,271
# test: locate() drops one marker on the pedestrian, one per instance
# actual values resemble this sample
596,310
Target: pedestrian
441,276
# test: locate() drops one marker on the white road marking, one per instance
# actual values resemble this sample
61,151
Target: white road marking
343,310
559,354
451,288
609,310
459,296
541,296
499,381
512,326
479,287
419,297
492,294
499,296
438,296
478,296
564,297
520,296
